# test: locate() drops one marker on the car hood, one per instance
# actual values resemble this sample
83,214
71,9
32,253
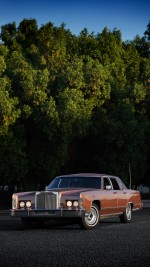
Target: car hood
61,191
22,194
71,191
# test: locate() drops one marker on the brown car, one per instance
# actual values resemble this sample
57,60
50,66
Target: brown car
85,198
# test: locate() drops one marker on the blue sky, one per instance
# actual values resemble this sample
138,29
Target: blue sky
130,17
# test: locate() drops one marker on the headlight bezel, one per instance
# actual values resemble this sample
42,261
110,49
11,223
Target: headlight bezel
25,204
72,203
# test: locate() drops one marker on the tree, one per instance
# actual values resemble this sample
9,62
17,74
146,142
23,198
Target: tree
72,103
8,105
147,32
8,33
13,162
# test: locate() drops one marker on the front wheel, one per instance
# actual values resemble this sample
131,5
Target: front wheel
127,214
92,220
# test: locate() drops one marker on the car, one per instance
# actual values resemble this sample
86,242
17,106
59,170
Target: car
84,198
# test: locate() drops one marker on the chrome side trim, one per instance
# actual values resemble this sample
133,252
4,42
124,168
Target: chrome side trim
111,214
108,208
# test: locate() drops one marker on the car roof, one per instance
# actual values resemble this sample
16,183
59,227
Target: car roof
86,175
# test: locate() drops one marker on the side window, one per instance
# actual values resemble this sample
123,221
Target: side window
107,183
115,184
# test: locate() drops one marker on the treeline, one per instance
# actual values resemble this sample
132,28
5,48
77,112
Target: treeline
72,104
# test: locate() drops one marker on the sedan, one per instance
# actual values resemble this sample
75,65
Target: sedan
84,198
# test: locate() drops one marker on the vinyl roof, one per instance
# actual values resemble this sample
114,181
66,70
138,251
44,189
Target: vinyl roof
86,175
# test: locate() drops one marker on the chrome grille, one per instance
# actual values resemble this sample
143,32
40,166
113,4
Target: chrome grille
46,200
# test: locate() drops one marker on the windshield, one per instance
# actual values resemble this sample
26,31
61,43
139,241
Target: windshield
75,182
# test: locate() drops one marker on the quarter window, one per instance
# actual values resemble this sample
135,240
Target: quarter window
115,184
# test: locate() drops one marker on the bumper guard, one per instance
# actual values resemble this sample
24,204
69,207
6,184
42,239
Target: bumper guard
62,213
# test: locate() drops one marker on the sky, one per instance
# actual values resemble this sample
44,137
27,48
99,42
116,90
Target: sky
131,17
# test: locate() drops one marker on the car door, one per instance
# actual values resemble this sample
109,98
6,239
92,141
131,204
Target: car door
109,198
121,194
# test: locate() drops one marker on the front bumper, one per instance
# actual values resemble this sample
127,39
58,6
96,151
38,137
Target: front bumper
59,213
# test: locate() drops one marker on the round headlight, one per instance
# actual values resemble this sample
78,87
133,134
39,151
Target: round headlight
28,204
22,204
69,203
75,204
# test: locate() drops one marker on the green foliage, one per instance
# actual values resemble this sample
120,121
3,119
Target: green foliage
147,32
72,103
8,32
8,105
13,161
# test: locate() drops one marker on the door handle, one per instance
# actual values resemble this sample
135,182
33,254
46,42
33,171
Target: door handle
115,192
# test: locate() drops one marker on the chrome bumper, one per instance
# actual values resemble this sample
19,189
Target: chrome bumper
65,213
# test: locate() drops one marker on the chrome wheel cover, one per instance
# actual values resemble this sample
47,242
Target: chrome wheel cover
128,212
93,217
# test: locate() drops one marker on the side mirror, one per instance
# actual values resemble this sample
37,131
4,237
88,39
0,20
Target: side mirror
46,188
108,187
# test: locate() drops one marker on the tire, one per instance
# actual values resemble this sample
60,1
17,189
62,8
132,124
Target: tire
127,214
31,223
92,220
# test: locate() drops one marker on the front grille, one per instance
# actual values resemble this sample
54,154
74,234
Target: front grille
46,200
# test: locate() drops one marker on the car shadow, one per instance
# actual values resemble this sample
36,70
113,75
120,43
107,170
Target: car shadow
8,224
16,225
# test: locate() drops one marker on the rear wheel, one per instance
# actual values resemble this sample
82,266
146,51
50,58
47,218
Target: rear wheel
127,214
92,220
32,222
